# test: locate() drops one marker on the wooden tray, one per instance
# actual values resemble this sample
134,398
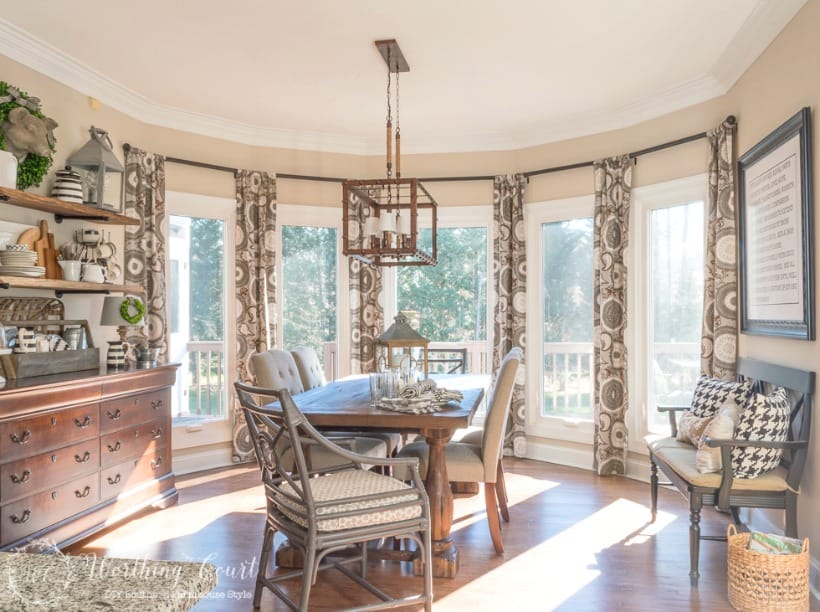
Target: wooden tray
25,365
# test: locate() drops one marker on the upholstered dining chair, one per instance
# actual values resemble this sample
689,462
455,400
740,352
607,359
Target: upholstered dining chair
309,366
481,462
277,369
322,512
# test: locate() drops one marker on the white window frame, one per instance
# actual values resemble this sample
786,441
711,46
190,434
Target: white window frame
480,215
645,200
210,430
318,216
535,215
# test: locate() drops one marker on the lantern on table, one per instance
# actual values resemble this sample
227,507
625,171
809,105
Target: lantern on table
401,346
100,171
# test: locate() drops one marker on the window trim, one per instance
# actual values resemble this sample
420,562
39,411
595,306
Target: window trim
318,216
535,214
645,200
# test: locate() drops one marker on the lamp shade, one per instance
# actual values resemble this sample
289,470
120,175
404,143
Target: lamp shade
111,311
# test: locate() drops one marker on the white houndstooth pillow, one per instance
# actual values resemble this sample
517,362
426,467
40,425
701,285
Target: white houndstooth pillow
764,418
712,393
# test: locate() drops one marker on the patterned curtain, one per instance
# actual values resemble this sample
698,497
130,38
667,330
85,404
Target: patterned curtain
145,243
613,188
366,312
255,283
510,280
718,348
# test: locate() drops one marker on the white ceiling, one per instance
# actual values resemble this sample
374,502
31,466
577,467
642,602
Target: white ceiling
484,74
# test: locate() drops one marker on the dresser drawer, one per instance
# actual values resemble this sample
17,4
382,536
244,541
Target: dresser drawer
29,436
133,442
126,411
21,518
25,476
134,473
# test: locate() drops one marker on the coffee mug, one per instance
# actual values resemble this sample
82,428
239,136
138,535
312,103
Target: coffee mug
93,273
26,341
71,269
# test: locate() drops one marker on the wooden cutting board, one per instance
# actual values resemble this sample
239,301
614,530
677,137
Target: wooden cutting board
46,253
29,237
51,260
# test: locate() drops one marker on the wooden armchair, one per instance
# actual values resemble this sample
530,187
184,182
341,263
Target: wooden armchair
777,489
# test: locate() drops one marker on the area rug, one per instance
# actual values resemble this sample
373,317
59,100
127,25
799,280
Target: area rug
36,582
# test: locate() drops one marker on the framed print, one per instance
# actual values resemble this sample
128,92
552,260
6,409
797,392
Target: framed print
775,233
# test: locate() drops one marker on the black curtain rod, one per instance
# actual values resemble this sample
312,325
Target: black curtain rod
441,179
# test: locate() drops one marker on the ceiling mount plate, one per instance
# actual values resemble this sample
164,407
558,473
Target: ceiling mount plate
397,62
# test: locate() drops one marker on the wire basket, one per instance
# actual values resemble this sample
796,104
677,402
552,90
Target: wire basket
764,581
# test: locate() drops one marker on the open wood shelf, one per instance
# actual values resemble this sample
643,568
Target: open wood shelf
63,210
64,286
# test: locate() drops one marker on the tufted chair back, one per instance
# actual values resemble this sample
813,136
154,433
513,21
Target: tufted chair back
309,366
276,369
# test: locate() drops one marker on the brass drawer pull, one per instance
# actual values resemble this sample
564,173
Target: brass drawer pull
114,416
17,520
156,434
156,404
21,439
115,448
115,480
84,493
84,423
156,463
86,456
21,479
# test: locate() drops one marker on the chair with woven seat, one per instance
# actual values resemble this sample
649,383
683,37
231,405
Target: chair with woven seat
471,462
277,369
322,512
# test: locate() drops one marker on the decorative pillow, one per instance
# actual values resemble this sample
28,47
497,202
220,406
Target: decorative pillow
711,393
690,427
764,418
722,427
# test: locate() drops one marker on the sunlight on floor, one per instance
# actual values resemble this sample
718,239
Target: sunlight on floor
568,559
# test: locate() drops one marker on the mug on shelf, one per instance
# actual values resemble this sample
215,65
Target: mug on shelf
93,273
72,269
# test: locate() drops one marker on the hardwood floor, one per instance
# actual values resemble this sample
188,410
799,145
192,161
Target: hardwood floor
575,542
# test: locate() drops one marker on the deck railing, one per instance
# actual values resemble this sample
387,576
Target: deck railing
206,378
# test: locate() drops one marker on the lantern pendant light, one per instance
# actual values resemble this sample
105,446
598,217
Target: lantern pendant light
381,216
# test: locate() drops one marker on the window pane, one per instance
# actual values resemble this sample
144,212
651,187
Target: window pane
447,303
309,289
676,294
197,304
567,316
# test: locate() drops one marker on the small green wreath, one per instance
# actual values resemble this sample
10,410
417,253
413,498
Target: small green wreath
32,170
125,310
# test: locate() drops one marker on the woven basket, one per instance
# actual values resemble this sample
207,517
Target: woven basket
763,581
13,309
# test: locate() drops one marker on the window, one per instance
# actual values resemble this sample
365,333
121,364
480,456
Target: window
309,301
447,303
669,305
559,351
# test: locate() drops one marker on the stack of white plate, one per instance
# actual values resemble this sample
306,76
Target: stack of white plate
20,263
68,186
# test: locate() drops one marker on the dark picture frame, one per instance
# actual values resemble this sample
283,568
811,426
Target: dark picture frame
776,234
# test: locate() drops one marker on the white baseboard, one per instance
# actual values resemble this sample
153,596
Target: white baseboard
186,462
560,453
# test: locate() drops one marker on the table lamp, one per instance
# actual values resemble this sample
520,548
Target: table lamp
122,312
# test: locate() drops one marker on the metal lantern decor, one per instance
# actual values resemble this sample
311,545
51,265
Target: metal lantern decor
100,170
381,216
399,342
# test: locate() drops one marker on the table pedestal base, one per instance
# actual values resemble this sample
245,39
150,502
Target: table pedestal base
445,560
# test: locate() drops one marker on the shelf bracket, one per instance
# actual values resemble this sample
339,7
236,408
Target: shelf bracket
59,218
61,292
4,197
5,286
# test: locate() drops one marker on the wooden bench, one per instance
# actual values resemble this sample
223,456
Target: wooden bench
777,489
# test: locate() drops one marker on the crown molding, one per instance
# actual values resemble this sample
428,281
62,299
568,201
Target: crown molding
762,25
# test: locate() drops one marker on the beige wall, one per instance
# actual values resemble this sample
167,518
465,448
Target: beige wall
780,82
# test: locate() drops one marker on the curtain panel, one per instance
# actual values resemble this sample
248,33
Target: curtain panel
718,352
510,280
145,244
613,188
255,284
366,311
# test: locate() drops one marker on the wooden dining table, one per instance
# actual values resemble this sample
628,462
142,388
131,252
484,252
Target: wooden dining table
344,404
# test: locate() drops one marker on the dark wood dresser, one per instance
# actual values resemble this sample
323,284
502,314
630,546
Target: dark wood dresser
82,450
